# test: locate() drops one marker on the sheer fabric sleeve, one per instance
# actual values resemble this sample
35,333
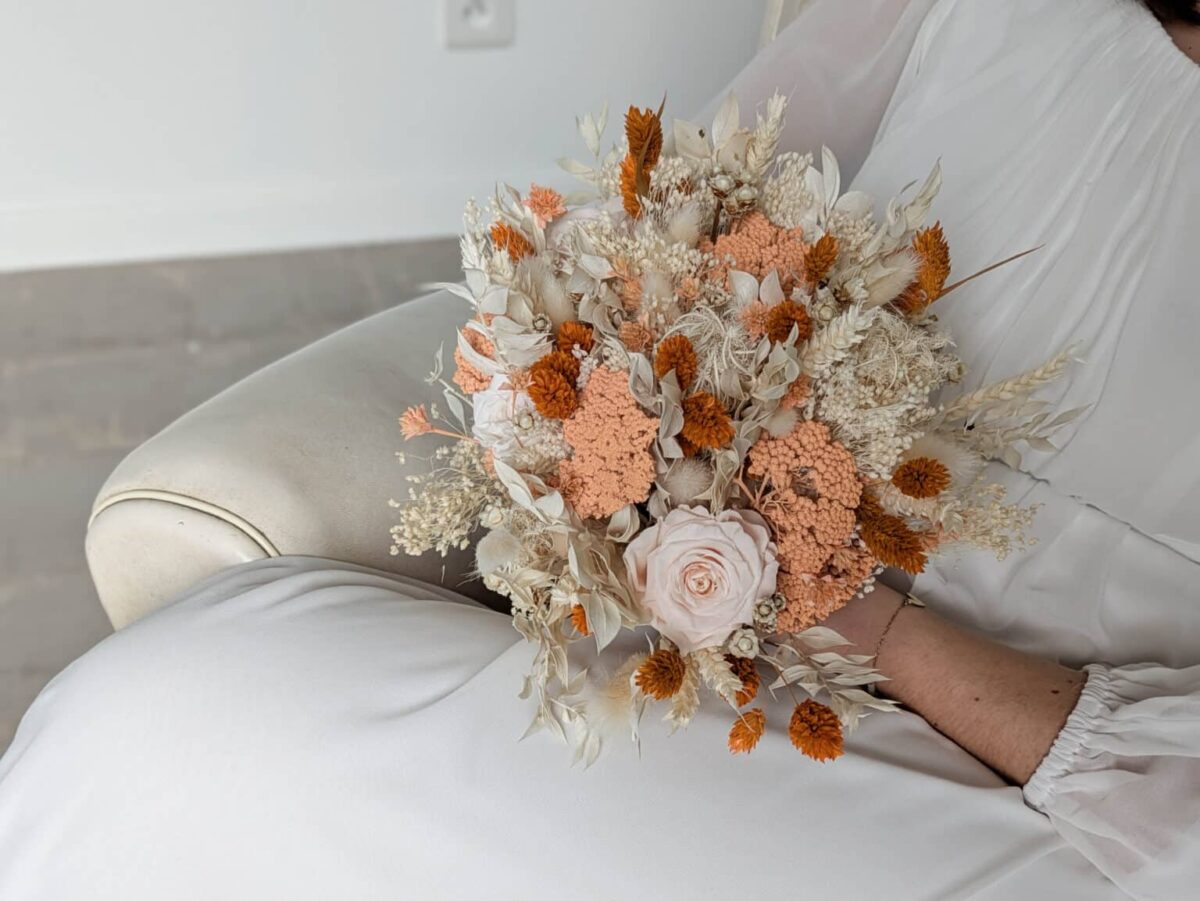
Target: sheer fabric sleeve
838,63
1122,780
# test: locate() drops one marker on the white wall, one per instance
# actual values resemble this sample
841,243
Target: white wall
138,129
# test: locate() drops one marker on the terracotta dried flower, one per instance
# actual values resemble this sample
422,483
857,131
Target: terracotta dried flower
575,334
508,239
933,255
889,538
780,319
676,352
559,361
643,131
921,477
552,393
816,731
629,186
705,422
661,675
579,620
747,729
820,259
744,669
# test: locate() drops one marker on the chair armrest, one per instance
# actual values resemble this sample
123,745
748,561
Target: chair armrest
298,458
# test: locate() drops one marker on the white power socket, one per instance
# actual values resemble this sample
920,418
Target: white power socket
478,23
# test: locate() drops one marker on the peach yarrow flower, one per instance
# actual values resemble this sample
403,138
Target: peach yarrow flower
467,376
610,434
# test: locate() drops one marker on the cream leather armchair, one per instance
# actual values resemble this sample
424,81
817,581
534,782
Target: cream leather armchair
298,458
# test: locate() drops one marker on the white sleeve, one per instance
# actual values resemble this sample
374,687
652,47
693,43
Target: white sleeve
1121,783
838,63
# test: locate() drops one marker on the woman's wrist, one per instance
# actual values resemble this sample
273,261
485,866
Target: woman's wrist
865,621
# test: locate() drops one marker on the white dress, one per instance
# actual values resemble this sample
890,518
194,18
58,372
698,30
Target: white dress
296,728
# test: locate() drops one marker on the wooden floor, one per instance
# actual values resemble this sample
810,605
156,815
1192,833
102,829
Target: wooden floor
94,361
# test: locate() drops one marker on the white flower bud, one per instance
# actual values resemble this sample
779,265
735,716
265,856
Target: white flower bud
744,643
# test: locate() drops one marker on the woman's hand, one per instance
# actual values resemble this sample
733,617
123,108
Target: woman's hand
1004,706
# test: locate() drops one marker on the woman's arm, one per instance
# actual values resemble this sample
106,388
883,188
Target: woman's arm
1004,706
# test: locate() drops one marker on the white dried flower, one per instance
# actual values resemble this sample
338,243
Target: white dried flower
765,615
684,226
686,480
782,421
744,643
492,517
497,551
497,410
889,278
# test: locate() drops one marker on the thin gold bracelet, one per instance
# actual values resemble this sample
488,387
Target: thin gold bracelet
910,600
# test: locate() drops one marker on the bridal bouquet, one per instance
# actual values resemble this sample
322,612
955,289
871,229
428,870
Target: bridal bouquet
699,398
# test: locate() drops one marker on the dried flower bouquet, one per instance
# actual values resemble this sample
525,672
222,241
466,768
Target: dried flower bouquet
700,398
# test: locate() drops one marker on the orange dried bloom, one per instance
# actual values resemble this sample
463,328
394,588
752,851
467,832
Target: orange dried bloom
758,246
635,336
507,238
705,422
676,352
552,393
467,376
744,669
747,729
933,268
921,477
661,674
890,539
579,620
546,204
643,131
784,315
415,421
559,361
820,259
816,731
610,434
572,334
630,175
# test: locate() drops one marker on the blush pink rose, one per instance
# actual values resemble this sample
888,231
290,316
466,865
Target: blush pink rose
699,575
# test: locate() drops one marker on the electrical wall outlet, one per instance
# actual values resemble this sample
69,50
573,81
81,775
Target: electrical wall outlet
478,23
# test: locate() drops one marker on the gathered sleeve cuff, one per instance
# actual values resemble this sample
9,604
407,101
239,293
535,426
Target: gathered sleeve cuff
1121,783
